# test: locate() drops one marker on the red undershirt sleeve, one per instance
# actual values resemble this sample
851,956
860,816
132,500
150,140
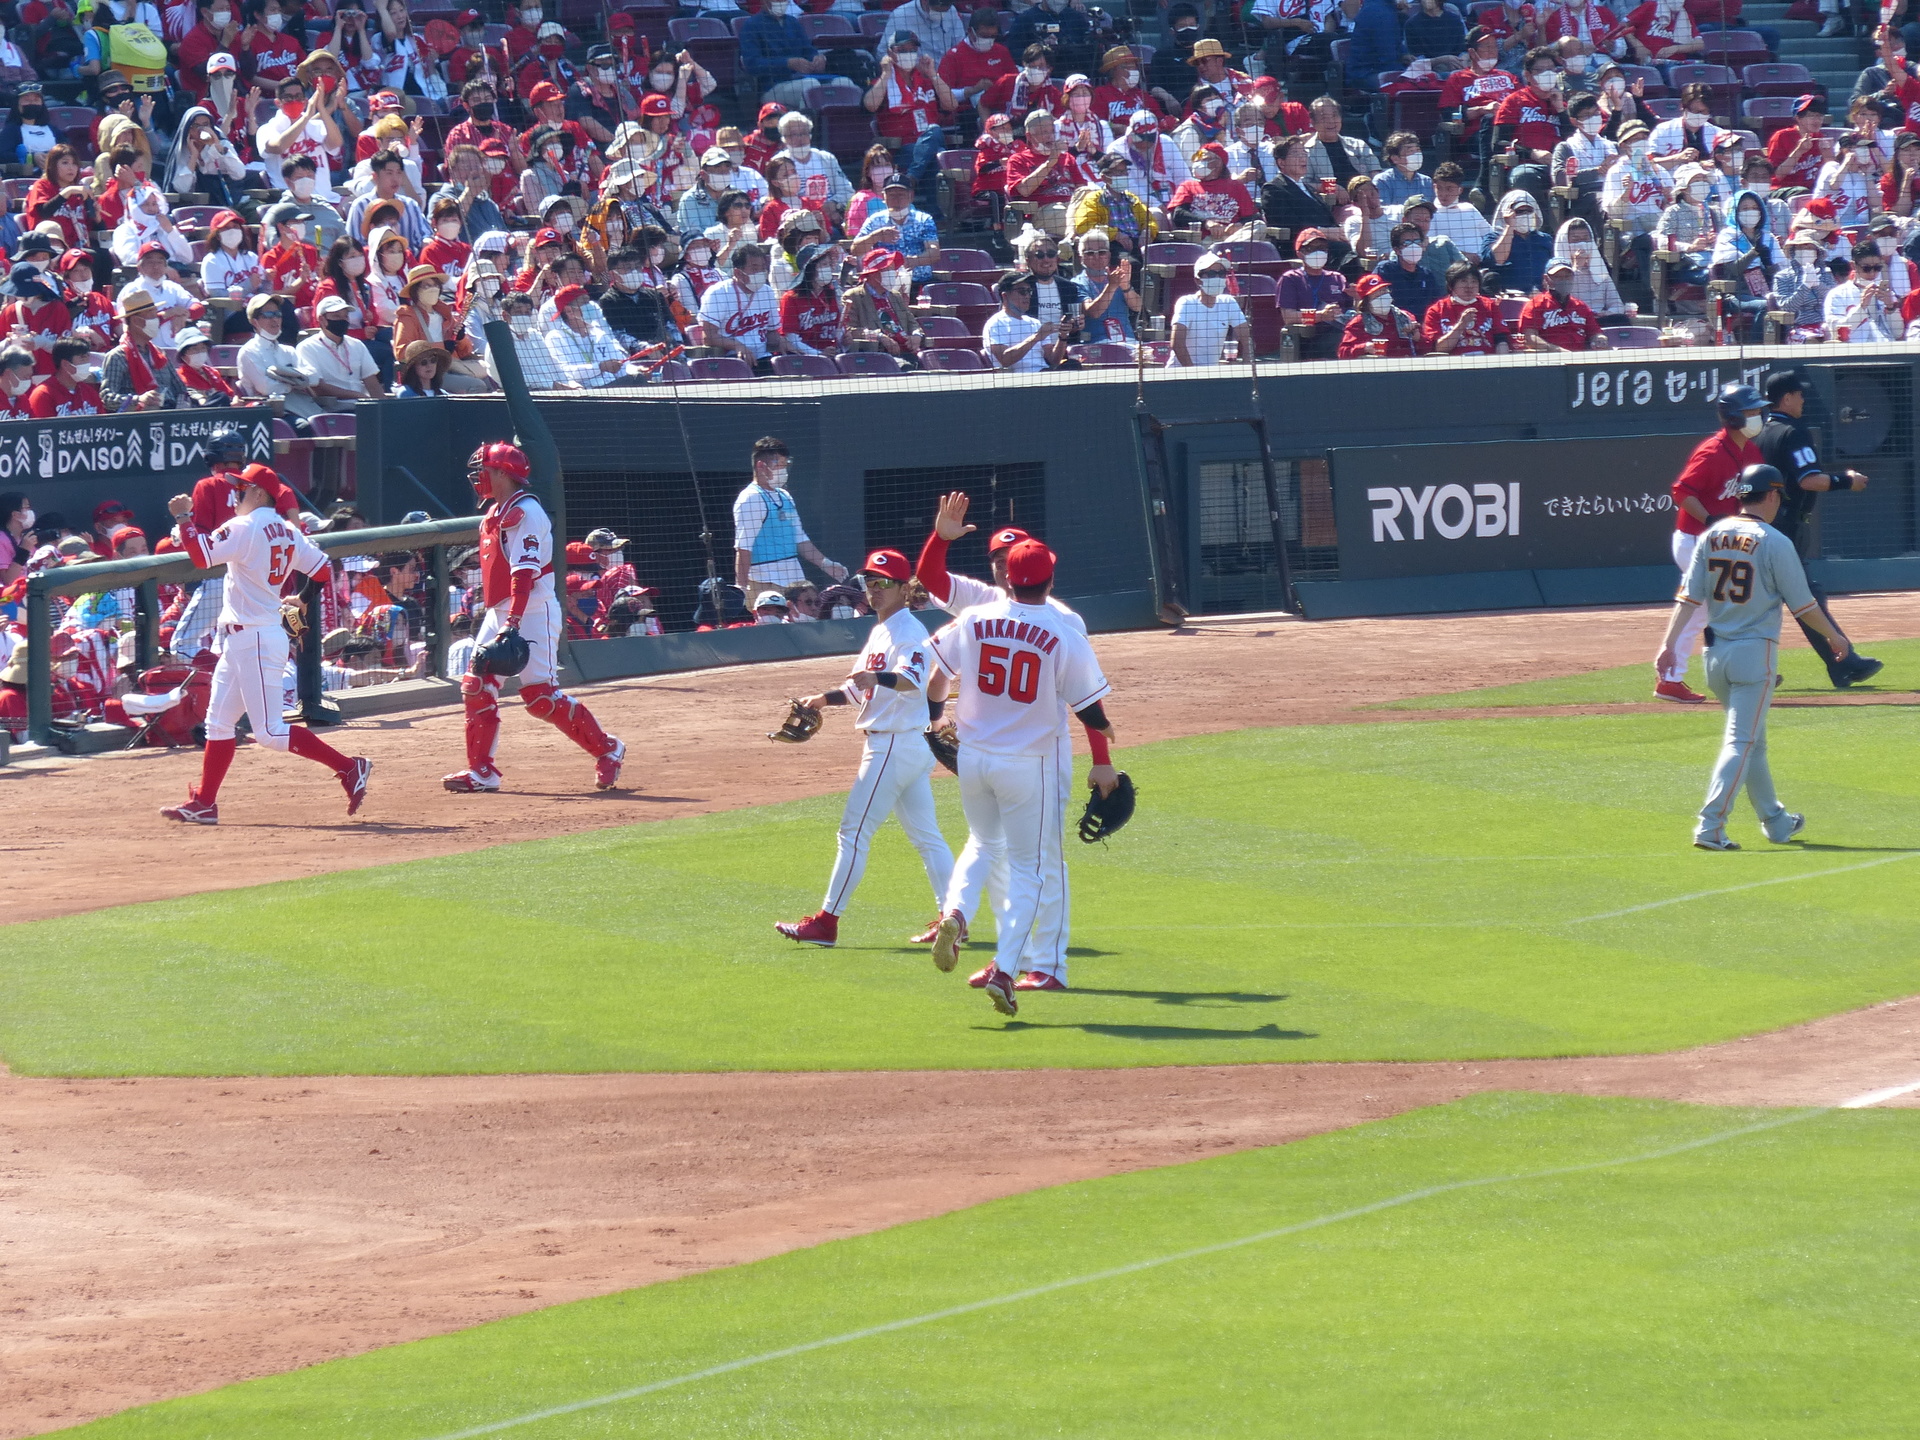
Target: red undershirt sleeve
520,588
931,572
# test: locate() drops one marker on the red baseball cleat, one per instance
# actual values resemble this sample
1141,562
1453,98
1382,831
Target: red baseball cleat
192,812
948,936
930,934
354,782
999,988
978,980
469,782
822,929
606,770
1679,692
1039,980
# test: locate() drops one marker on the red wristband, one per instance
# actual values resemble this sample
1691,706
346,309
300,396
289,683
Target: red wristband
1097,742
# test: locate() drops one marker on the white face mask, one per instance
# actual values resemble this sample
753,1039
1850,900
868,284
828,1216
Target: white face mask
221,19
879,177
1213,284
1593,124
1250,134
231,238
20,386
82,373
1580,249
562,223
1036,74
777,477
777,7
1547,81
1410,254
752,279
1413,159
448,229
1484,63
1314,259
629,278
1129,79
1699,190
1381,305
801,152
1523,221
1885,246
27,517
302,187
1616,86
276,23
983,43
81,287
1753,425
521,325
1749,217
532,17
1576,64
661,80
494,166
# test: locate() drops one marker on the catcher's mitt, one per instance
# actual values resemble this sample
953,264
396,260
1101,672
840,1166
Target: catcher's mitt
944,742
293,619
801,724
506,654
1107,813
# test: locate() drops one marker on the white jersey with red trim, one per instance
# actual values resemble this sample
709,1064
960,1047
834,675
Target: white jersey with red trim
1022,669
899,644
964,593
261,552
515,534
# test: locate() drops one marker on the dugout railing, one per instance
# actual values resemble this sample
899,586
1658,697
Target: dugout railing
144,576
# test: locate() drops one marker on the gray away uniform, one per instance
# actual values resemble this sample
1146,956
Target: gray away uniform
1743,570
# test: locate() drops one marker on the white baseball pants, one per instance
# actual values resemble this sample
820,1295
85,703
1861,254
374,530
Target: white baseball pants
1012,804
896,778
984,868
1691,632
539,627
247,681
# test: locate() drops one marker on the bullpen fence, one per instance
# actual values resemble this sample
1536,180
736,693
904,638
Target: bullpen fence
145,575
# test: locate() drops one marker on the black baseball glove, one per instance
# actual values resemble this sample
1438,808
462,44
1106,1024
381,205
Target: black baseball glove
1107,813
506,654
801,724
944,742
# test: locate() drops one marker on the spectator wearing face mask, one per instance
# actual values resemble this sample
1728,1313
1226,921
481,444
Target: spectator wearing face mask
1800,289
1553,319
1633,198
465,201
935,24
810,312
1529,122
70,389
769,540
268,370
1688,138
536,364
1575,244
1463,321
231,270
1516,254
306,125
1205,124
325,223
1883,239
1586,155
1249,154
34,316
1063,29
1798,152
16,381
899,226
1687,226
1314,296
978,63
1401,180
1119,94
741,315
1756,172
1169,76
139,375
1437,252
1026,90
823,184
877,311
776,51
1111,208
1112,306
1379,330
343,369
912,103
1660,33
1212,201
1852,182
584,354
1012,338
1045,173
1746,253
1204,321
636,312
1453,216
1155,166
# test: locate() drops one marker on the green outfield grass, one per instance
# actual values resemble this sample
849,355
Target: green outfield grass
1434,890
1746,1273
1804,672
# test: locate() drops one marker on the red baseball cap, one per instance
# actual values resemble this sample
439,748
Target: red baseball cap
890,563
385,102
545,237
1006,540
621,21
771,109
543,92
152,247
467,18
656,105
568,295
577,551
108,508
1029,563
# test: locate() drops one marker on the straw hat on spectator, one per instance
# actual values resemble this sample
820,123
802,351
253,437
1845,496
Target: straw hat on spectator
420,275
421,348
1208,49
136,302
54,234
1116,57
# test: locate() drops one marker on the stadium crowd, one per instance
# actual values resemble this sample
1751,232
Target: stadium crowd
302,204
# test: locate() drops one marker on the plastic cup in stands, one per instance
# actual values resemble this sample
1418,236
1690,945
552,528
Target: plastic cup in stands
1843,333
1329,186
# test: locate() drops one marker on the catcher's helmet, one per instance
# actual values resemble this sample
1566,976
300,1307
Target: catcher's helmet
1735,401
228,443
507,654
510,458
1756,480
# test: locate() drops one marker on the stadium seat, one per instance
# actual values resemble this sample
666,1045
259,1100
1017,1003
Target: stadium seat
1663,109
1252,257
948,333
1653,83
1510,308
1734,48
872,23
1103,356
1778,79
673,372
712,44
1634,337
720,367
846,131
1768,114
1169,267
868,362
818,27
945,359
812,367
956,258
1722,84
195,217
971,304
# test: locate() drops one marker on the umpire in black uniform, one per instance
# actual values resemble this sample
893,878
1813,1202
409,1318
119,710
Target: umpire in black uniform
1787,445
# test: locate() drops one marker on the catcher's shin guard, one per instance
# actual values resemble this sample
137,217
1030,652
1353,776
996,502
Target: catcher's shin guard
568,716
481,696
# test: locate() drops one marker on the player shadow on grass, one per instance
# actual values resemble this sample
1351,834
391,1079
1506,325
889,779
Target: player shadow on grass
1188,997
607,797
1159,1032
1854,849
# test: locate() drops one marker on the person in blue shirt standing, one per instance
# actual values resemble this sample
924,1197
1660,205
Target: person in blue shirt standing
769,541
779,56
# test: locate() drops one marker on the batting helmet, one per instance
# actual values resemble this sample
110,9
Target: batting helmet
510,458
1735,401
228,443
507,654
1756,480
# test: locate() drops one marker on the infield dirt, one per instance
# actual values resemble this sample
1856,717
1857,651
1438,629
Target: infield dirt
164,1236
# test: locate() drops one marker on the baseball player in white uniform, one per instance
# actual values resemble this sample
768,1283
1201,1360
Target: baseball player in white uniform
892,685
262,551
1021,671
981,868
516,579
1740,574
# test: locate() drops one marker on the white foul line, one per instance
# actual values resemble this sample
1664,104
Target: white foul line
1735,889
1879,1097
768,1357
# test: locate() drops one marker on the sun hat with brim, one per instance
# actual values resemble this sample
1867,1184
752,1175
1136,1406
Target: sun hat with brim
1208,50
136,302
421,348
420,275
188,338
25,282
